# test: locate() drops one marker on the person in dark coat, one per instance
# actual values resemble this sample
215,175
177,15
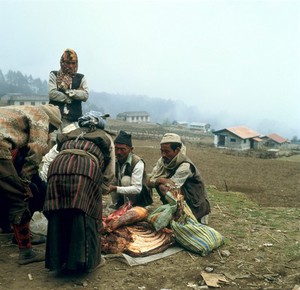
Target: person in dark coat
67,88
73,203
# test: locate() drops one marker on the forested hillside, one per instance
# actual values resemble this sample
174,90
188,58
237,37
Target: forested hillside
16,82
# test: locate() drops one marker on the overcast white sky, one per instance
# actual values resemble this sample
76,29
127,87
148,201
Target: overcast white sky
236,59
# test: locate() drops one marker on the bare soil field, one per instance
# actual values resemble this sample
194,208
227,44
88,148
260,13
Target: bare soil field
255,205
265,181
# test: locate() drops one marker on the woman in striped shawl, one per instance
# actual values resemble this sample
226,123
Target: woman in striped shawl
73,205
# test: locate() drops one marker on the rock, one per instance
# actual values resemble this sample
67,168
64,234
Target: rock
209,269
85,283
225,253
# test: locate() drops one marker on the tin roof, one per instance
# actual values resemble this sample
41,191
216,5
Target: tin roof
242,132
275,137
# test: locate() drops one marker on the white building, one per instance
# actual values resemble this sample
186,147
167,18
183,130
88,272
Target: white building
134,117
19,100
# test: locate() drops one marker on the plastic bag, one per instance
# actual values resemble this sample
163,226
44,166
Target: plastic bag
39,224
161,217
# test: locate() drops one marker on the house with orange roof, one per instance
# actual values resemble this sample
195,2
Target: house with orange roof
275,141
237,138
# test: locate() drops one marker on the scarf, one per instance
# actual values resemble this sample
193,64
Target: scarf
66,73
165,169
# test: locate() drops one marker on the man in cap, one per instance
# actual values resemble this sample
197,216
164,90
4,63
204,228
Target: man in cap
174,168
67,88
24,132
130,175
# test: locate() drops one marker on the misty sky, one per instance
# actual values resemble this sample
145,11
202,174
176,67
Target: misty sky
238,61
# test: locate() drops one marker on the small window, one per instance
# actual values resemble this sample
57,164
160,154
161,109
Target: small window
245,140
22,103
232,140
32,103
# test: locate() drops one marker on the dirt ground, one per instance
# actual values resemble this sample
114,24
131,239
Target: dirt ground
258,214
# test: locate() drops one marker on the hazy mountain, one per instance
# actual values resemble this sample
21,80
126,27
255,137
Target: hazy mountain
160,110
16,82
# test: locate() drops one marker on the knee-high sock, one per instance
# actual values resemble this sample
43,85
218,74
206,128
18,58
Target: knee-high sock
22,234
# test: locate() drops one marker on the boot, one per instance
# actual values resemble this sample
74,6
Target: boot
26,253
27,256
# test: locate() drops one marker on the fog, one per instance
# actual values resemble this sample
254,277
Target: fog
238,62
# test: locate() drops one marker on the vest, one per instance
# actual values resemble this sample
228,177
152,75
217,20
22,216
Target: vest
75,108
145,197
194,191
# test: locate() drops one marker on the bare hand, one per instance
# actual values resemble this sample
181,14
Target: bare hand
112,188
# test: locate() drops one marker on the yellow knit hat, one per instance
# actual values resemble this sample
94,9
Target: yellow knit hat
53,114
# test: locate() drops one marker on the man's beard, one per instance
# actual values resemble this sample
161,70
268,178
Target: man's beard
166,161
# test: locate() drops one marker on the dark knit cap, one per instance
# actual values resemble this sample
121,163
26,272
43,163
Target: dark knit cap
124,138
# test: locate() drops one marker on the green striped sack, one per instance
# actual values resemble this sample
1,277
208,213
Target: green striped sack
196,237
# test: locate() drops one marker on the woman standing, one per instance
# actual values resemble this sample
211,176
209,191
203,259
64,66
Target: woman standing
73,204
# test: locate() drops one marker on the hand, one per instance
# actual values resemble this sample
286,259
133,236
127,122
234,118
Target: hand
62,86
68,100
70,93
165,181
163,189
112,188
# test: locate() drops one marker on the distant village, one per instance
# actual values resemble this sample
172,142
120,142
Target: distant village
237,138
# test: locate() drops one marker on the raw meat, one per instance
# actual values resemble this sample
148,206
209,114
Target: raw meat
138,240
131,216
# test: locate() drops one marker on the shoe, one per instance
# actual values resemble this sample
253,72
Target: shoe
100,265
28,256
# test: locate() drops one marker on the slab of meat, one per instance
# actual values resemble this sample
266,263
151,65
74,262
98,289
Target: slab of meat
148,242
115,215
131,216
138,240
116,242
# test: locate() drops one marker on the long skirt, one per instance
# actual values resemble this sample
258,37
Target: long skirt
73,241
